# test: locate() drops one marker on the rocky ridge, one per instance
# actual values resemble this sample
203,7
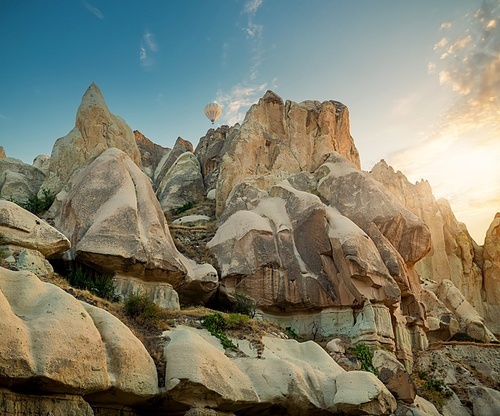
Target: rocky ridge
319,247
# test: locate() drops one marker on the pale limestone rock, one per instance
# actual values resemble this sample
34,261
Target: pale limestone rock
277,139
182,184
394,375
360,392
485,401
34,262
200,374
96,129
441,322
53,342
21,228
192,219
453,254
336,346
298,377
181,146
18,180
491,271
454,407
115,223
17,404
469,320
426,406
42,162
2,153
131,369
162,294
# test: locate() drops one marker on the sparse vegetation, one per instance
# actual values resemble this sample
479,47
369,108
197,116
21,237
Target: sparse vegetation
35,204
365,355
186,207
216,324
244,304
87,278
140,307
433,389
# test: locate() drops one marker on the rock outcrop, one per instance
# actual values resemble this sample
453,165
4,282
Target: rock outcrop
278,138
181,146
2,153
96,129
151,154
491,273
19,181
110,214
53,343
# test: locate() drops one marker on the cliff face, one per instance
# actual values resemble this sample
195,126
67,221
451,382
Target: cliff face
316,245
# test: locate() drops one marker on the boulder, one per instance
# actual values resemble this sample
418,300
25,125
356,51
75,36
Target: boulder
277,139
162,294
491,272
151,154
96,129
485,401
110,214
441,322
42,162
362,393
296,377
394,376
182,185
181,146
52,342
21,228
470,321
19,181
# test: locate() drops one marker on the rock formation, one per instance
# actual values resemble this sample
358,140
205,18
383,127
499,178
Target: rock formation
2,153
19,181
151,153
181,146
278,139
96,129
491,273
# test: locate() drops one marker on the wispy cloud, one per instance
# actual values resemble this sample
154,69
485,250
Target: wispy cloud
94,10
236,102
148,49
460,154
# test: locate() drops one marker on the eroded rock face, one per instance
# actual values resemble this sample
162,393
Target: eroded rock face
21,228
96,129
52,342
19,181
182,184
277,139
2,152
151,153
42,162
181,146
296,378
491,272
110,214
453,254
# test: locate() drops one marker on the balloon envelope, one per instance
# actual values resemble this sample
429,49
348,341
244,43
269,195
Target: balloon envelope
213,111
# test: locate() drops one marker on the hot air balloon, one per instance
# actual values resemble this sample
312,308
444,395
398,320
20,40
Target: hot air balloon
213,111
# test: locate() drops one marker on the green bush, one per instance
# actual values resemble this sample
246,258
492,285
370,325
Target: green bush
35,204
216,324
235,320
363,353
244,304
140,305
87,278
187,206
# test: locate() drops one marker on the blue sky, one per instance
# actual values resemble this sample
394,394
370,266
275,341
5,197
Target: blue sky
420,78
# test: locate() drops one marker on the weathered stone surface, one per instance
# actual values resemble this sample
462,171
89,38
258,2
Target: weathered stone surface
210,150
2,153
115,223
51,342
297,377
491,272
162,294
151,154
182,184
21,228
181,146
453,254
42,162
360,392
277,139
394,376
17,404
485,401
32,261
470,321
441,322
96,129
19,181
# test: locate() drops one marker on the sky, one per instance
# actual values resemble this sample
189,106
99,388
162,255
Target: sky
421,78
